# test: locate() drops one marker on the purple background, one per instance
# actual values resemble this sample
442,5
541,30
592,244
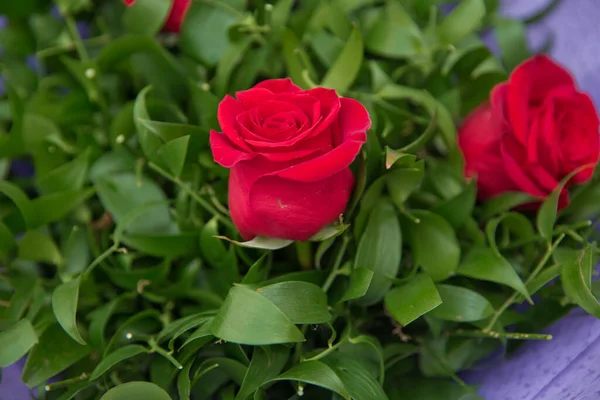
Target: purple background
566,367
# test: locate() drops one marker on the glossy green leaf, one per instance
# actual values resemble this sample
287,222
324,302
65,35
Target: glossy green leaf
343,72
512,41
203,34
64,305
402,182
130,279
227,63
7,239
17,196
504,202
164,245
122,193
515,223
413,299
184,384
434,245
576,275
54,352
360,280
146,16
391,32
483,263
433,107
380,250
263,323
116,357
16,341
69,176
301,302
315,373
264,366
459,208
261,242
36,246
56,206
173,154
462,21
355,377
291,51
99,319
136,390
258,272
461,305
546,217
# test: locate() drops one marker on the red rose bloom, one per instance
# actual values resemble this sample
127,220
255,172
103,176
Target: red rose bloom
289,151
536,130
175,16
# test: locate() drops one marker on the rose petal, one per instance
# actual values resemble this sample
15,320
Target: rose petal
529,84
224,152
284,85
229,109
288,209
354,122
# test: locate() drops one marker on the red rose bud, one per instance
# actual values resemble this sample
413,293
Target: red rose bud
536,129
289,151
176,14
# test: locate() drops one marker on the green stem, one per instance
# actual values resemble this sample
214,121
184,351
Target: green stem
202,202
326,351
79,45
549,251
338,262
496,335
304,251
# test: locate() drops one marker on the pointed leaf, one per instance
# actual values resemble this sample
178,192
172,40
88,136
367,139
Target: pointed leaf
174,153
136,390
360,280
64,305
301,302
16,341
461,305
116,357
576,274
413,299
261,242
263,367
342,74
315,373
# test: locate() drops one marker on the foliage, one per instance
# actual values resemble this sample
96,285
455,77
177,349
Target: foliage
116,280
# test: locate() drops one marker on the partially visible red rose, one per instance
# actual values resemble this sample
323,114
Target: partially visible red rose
536,129
289,151
176,14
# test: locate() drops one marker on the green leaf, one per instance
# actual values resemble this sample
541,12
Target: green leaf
391,32
512,41
99,319
246,317
360,280
263,367
17,196
69,176
402,182
227,63
164,245
315,373
483,263
413,299
130,278
547,213
64,305
459,208
576,274
35,246
204,30
258,272
301,302
355,377
345,69
461,305
380,250
184,384
173,154
433,107
136,390
16,341
504,202
513,222
146,16
122,193
7,239
56,206
434,245
55,352
261,242
461,22
295,69
116,357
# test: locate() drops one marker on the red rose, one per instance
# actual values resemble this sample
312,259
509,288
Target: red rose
289,151
176,14
536,129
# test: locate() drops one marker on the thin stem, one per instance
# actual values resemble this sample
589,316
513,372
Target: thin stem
79,45
336,266
205,204
326,351
536,271
496,335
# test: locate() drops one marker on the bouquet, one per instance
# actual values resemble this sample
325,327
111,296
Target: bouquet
230,199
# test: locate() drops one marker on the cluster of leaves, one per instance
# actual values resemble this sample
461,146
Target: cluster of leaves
112,271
